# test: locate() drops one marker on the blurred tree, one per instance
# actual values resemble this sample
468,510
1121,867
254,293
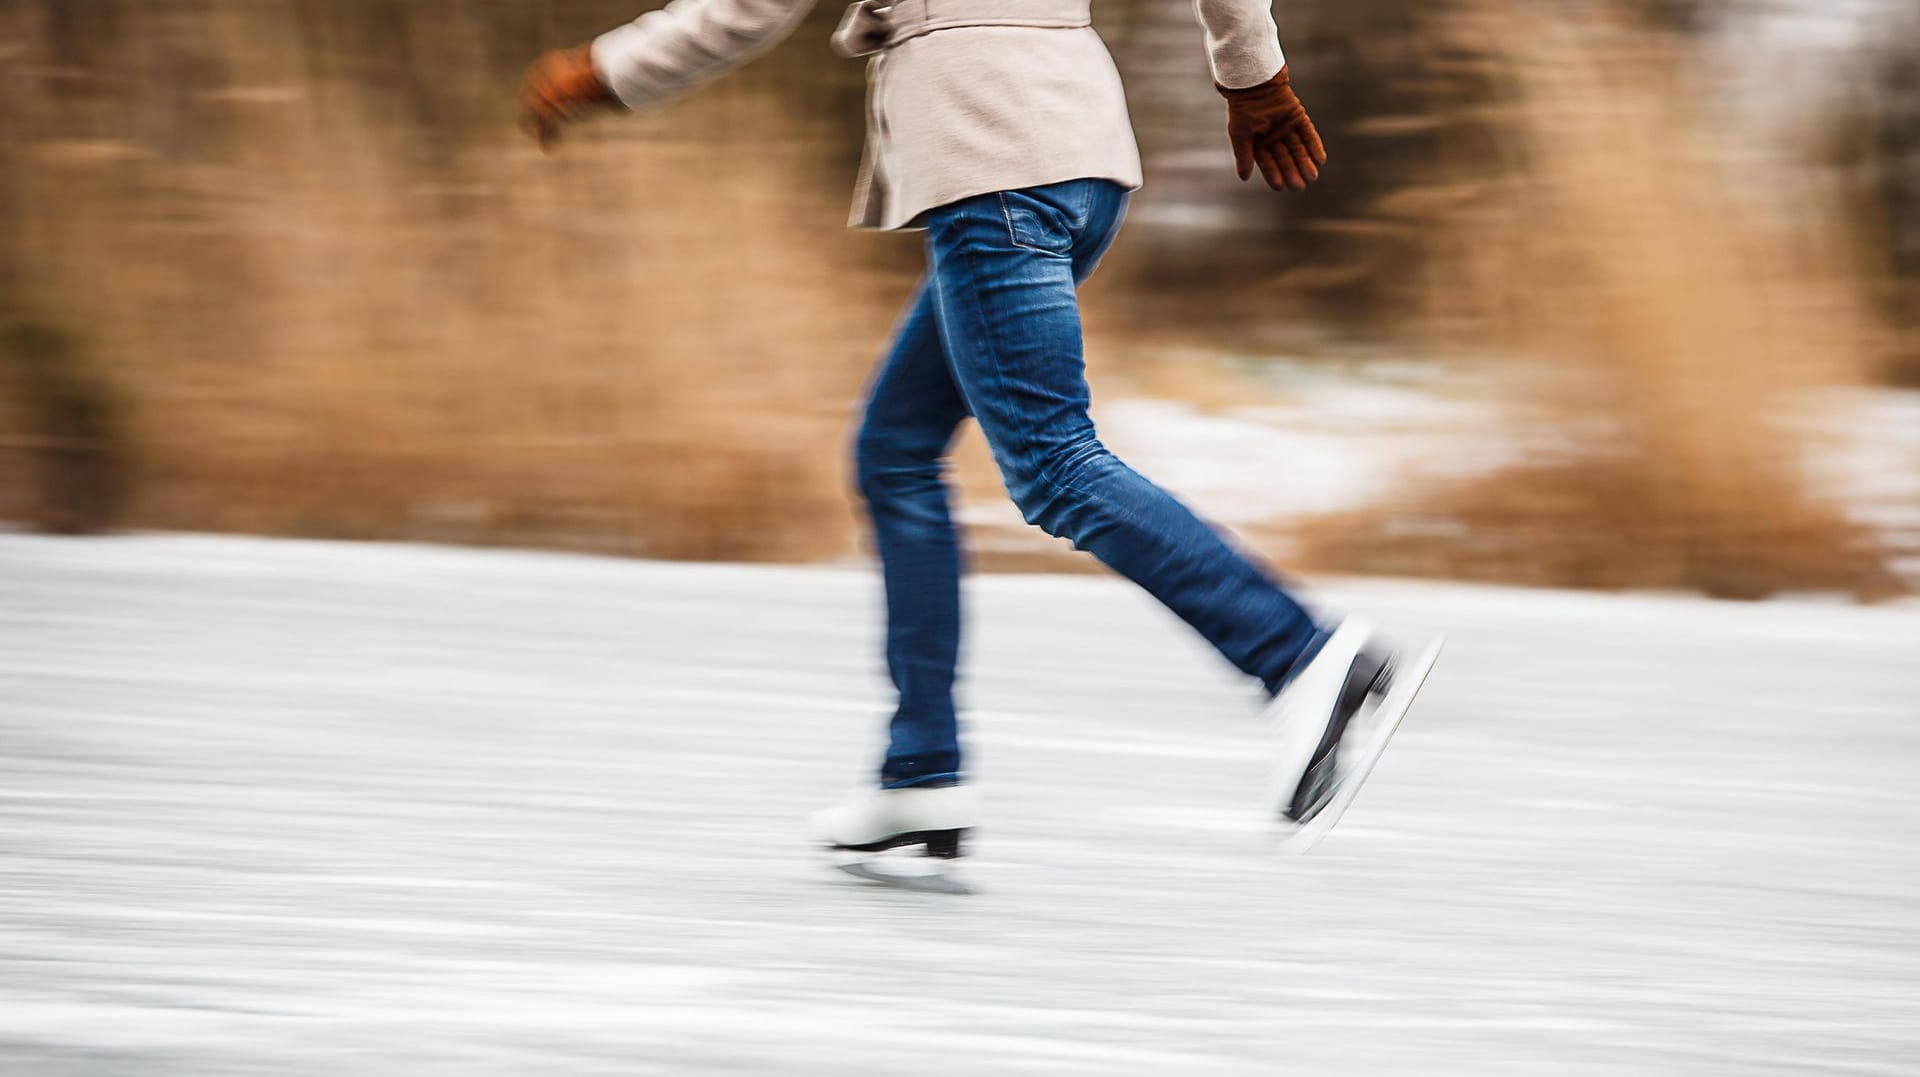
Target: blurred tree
76,437
1873,143
1689,16
1412,101
1895,98
1398,100
348,299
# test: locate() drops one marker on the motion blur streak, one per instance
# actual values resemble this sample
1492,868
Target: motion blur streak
285,267
1600,313
348,810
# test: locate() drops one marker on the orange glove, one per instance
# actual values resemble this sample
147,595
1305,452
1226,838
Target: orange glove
561,87
1269,127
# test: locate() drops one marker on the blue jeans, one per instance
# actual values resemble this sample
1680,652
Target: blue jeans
994,332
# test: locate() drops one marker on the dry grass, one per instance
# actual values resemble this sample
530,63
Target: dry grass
1687,318
335,320
1588,523
339,297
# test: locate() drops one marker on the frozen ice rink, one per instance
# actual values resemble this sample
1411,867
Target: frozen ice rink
298,808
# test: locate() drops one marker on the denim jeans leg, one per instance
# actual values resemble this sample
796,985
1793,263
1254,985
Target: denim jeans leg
911,413
1005,268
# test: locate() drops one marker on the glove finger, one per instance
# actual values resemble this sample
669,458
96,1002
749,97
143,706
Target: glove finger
542,124
535,104
1311,138
1269,170
1295,180
1289,171
1302,160
1278,169
537,87
1242,154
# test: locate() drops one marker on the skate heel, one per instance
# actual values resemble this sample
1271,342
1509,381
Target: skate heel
945,844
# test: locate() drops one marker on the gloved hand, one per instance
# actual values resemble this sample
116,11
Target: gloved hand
1269,128
561,87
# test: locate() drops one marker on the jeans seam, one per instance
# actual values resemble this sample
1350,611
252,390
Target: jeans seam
974,333
1105,245
989,337
989,340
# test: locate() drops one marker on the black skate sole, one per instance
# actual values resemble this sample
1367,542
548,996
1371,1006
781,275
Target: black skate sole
940,844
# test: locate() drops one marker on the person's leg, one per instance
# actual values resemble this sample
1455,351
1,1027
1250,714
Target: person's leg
1004,268
912,410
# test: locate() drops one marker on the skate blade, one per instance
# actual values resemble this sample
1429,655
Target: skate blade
1407,682
936,882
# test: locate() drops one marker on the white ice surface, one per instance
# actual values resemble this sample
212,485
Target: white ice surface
303,808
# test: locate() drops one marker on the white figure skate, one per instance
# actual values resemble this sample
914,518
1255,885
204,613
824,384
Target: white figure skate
1331,725
931,820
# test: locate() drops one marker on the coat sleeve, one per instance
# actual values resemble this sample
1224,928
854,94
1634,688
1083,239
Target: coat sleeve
1242,44
667,52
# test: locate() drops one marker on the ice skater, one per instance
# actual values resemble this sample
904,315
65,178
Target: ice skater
1001,128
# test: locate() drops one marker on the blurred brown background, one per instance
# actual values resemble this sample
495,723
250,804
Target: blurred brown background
1639,283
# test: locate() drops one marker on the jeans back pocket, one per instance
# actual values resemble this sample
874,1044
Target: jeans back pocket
1048,219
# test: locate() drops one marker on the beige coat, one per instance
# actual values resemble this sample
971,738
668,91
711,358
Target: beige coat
965,97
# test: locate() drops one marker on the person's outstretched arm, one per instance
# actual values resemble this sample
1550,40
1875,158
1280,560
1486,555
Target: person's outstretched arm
1266,122
652,59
